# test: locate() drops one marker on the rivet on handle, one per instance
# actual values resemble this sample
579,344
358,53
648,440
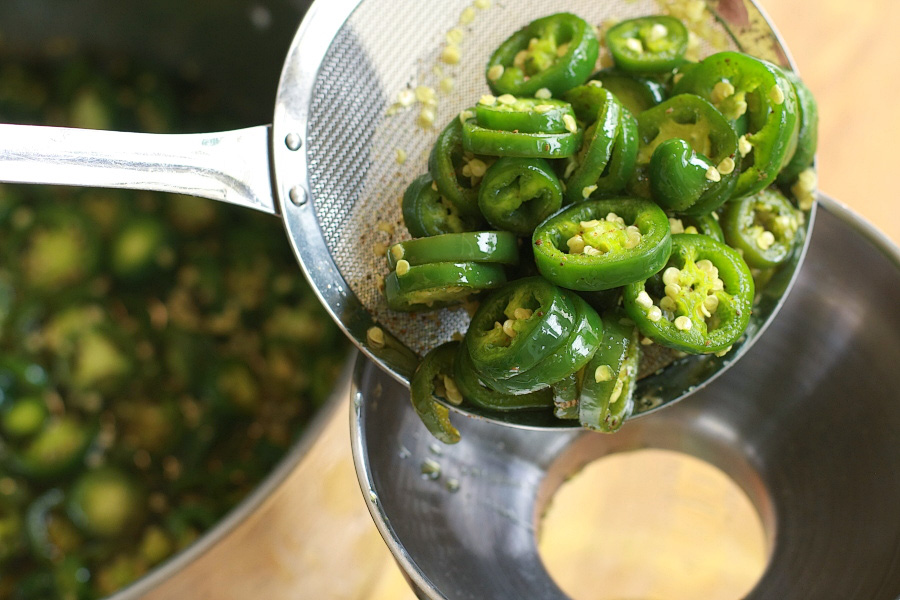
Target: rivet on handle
298,195
293,141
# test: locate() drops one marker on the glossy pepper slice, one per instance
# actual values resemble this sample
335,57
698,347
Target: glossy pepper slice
602,244
518,193
565,395
764,227
648,44
636,93
476,246
600,108
700,303
606,397
556,52
527,115
456,172
575,351
620,167
499,142
738,85
426,212
435,285
476,392
433,379
807,135
517,326
688,155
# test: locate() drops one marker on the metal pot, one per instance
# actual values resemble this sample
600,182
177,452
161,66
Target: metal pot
194,38
807,423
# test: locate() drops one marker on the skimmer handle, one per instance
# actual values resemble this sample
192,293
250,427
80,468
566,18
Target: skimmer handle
230,166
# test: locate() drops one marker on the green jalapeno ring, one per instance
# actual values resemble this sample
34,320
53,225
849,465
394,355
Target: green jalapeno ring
622,161
436,285
572,355
763,226
807,135
526,115
518,193
689,154
521,67
635,93
592,159
430,380
427,213
500,247
741,84
707,225
606,395
685,327
538,313
648,44
445,165
495,142
619,265
565,395
476,392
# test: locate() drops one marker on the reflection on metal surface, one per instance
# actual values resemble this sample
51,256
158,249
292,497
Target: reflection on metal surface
807,425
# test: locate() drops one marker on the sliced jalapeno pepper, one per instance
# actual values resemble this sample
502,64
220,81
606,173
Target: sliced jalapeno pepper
57,450
620,167
518,193
478,246
763,226
498,142
447,165
604,112
435,285
434,378
738,84
527,115
572,355
565,395
807,135
648,44
602,244
556,52
636,93
476,392
105,502
516,327
605,400
426,212
689,154
700,303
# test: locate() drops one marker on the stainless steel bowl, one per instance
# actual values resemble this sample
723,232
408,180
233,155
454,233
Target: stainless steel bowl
808,424
197,39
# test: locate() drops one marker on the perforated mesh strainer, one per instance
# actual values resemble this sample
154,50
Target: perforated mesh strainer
333,147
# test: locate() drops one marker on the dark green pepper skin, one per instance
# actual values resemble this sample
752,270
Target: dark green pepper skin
636,93
445,165
620,167
543,68
681,140
423,387
436,285
518,193
657,54
477,393
605,114
476,246
617,267
772,114
426,212
522,115
604,405
574,352
542,332
734,301
808,133
498,142
707,225
565,395
746,220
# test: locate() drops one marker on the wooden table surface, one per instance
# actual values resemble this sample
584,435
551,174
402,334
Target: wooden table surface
314,537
